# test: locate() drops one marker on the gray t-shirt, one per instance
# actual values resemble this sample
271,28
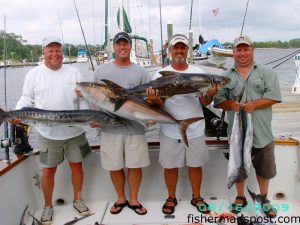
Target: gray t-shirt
127,77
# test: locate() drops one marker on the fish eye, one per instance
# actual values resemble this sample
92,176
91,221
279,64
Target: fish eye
92,85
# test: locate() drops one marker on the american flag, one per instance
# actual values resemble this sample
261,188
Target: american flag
215,12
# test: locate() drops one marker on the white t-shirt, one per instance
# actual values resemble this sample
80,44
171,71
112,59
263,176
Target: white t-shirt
53,90
183,107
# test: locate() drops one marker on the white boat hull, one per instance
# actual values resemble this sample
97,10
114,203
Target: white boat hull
19,188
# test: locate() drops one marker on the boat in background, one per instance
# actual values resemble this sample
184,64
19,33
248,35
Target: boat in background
211,53
82,56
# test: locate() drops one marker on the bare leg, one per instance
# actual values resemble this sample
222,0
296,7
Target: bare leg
240,192
263,187
171,178
134,181
77,179
48,184
195,175
118,180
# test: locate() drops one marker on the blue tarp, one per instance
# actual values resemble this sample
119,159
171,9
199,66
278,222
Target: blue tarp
209,44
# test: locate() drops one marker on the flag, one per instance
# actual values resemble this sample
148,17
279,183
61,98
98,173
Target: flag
215,12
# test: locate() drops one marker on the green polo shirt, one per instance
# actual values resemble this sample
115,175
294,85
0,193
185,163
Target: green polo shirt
261,82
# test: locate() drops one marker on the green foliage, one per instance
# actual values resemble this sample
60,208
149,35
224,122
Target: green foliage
18,49
294,43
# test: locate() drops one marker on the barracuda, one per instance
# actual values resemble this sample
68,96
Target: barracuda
34,116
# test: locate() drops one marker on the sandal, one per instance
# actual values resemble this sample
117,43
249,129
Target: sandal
237,208
120,206
267,208
166,206
200,205
135,207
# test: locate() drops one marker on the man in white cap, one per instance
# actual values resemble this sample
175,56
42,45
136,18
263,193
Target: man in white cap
173,151
50,86
254,88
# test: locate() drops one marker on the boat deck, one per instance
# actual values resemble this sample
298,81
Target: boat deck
185,213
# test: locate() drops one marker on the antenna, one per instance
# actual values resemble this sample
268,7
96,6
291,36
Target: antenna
244,17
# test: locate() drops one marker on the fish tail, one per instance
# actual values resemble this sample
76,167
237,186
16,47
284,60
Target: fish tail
184,124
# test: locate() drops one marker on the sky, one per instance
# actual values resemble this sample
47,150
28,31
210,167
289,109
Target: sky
266,20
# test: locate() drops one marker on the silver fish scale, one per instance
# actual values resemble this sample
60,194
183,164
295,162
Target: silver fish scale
235,150
248,142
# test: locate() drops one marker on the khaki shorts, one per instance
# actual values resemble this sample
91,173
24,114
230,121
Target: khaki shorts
52,152
263,160
119,149
174,153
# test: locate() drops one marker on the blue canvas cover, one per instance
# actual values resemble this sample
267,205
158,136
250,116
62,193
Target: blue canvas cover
209,44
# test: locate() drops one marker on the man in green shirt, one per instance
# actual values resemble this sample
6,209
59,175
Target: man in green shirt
254,88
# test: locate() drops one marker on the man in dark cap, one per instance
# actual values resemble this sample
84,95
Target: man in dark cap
124,146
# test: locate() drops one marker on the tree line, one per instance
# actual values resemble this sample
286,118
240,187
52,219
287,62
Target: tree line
18,49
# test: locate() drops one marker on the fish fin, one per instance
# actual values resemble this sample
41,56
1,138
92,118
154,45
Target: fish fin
168,73
119,102
253,195
115,88
184,124
226,155
23,214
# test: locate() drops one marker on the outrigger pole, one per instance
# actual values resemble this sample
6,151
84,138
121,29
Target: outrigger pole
5,143
244,17
87,47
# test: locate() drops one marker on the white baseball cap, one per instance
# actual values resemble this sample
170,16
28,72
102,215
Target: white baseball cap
49,40
179,38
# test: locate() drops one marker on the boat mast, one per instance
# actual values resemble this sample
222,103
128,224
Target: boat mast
191,14
161,35
121,16
106,24
244,17
5,141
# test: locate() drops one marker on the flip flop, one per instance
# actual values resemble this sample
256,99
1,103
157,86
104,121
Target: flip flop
120,206
135,207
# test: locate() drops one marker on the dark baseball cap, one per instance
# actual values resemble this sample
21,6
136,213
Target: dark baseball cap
122,35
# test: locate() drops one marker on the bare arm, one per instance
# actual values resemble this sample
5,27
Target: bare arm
207,98
258,104
229,105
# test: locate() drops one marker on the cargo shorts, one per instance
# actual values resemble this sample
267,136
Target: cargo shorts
123,150
53,152
263,160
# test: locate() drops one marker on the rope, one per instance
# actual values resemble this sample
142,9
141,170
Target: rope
293,53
